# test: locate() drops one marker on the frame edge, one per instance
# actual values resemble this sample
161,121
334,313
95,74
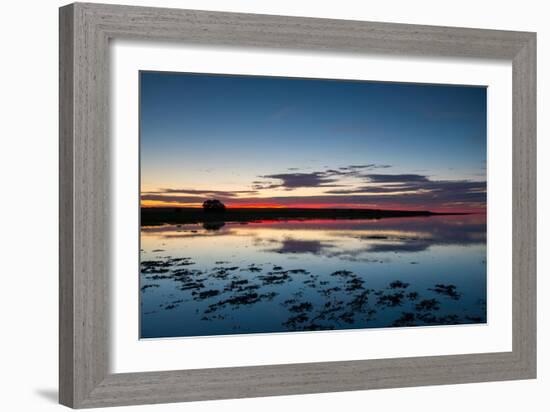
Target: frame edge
84,380
524,68
66,216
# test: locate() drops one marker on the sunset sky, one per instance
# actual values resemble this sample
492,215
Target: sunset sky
263,141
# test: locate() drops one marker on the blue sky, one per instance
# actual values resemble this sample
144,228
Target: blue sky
269,137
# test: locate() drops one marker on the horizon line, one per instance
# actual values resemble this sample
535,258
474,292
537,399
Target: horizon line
480,210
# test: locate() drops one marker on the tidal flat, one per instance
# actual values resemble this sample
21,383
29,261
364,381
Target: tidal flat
317,274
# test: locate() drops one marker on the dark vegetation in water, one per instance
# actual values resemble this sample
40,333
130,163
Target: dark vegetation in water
213,218
447,290
343,299
274,278
406,319
391,300
428,305
397,284
205,294
150,285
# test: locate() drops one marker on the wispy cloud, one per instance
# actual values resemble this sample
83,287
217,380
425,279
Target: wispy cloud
214,193
325,178
404,178
416,188
291,181
367,166
346,186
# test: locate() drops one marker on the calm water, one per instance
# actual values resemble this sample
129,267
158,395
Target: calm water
312,275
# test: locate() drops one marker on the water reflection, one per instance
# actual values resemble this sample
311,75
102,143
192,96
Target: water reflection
312,275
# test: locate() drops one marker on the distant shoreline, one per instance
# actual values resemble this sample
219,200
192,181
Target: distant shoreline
152,216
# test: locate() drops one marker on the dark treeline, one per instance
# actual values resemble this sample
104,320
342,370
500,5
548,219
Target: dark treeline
156,216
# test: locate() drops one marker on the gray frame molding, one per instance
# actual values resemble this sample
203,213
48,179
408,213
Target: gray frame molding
85,30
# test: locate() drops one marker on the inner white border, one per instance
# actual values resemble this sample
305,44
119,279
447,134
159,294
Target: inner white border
129,354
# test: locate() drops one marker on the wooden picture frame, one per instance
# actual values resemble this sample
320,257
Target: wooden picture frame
85,31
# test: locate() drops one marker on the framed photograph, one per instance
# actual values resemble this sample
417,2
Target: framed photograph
256,205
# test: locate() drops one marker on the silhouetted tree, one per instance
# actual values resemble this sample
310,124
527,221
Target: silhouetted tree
213,205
